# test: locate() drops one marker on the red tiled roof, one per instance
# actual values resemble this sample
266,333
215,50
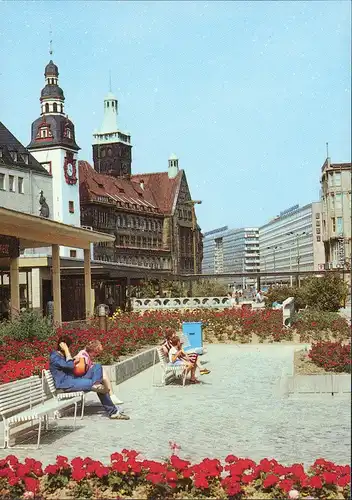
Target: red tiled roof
163,188
93,184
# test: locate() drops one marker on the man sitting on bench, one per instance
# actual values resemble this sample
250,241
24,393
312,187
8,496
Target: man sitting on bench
62,365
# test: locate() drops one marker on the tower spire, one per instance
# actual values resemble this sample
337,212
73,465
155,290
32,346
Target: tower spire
51,43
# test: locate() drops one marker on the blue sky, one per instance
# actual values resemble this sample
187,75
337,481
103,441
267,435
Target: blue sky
245,93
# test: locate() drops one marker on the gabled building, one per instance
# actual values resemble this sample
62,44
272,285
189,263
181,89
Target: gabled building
24,182
149,214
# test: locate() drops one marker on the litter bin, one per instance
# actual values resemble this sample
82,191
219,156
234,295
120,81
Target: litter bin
194,333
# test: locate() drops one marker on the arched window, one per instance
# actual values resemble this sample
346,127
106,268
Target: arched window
55,107
47,107
62,108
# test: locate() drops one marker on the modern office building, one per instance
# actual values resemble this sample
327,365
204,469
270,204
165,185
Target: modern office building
292,241
336,214
231,251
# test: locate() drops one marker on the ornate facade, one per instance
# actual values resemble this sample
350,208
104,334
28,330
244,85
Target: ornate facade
149,214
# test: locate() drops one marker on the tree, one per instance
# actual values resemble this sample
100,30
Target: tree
327,293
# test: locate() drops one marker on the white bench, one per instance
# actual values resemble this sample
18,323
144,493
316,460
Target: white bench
61,395
168,368
25,401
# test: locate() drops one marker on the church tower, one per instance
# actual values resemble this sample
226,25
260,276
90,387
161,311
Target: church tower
54,145
112,149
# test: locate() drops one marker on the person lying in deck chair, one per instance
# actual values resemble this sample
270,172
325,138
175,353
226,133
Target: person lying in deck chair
176,357
62,366
188,356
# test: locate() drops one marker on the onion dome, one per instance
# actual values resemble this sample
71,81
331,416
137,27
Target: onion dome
51,69
52,91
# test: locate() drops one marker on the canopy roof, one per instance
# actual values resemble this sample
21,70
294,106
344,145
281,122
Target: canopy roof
34,231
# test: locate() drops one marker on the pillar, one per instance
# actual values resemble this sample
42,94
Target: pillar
56,284
15,287
88,284
258,283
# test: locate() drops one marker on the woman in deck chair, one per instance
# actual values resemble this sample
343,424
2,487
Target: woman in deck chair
176,357
192,357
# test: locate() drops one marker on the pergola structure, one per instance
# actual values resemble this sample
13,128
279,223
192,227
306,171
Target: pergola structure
19,231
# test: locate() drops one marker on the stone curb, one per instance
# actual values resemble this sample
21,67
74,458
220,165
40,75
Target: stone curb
123,370
316,384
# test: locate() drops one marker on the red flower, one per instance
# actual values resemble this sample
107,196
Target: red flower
270,480
51,469
78,474
178,463
343,481
155,478
201,482
329,477
31,484
315,482
285,485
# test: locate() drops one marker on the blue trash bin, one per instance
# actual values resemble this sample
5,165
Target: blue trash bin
194,332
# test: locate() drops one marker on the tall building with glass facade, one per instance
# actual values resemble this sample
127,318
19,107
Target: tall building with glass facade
292,241
231,251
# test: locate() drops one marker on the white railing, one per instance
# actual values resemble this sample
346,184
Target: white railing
181,303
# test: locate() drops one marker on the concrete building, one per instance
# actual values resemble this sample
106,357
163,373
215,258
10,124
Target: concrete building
336,214
231,251
292,241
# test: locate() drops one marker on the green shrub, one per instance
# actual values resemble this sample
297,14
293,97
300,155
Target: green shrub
29,325
326,293
281,293
320,325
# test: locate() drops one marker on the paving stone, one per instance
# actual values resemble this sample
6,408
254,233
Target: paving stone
237,409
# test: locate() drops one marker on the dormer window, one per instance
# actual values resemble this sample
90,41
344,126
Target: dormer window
68,133
13,155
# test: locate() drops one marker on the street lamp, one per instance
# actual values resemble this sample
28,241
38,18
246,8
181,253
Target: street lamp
297,236
274,252
193,203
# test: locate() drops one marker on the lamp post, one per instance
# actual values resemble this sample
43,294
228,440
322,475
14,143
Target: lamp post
297,236
193,203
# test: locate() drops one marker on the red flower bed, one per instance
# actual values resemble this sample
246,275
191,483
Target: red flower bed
129,475
15,370
332,356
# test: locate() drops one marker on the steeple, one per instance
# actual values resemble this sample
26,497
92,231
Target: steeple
112,148
52,97
173,166
110,114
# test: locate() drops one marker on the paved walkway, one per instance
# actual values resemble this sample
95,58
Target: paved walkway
236,410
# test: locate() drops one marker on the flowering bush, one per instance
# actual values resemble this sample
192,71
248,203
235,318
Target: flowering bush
332,356
131,331
319,325
129,475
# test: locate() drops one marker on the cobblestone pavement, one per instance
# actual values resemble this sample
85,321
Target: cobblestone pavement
237,409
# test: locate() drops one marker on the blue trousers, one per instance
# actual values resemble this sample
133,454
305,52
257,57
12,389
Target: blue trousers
85,383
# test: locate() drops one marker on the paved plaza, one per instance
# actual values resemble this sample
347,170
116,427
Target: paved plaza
237,409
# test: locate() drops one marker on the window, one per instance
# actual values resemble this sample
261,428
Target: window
339,226
73,253
338,203
333,224
12,183
332,202
318,238
13,155
47,108
71,207
20,185
317,216
318,230
55,107
2,182
337,178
